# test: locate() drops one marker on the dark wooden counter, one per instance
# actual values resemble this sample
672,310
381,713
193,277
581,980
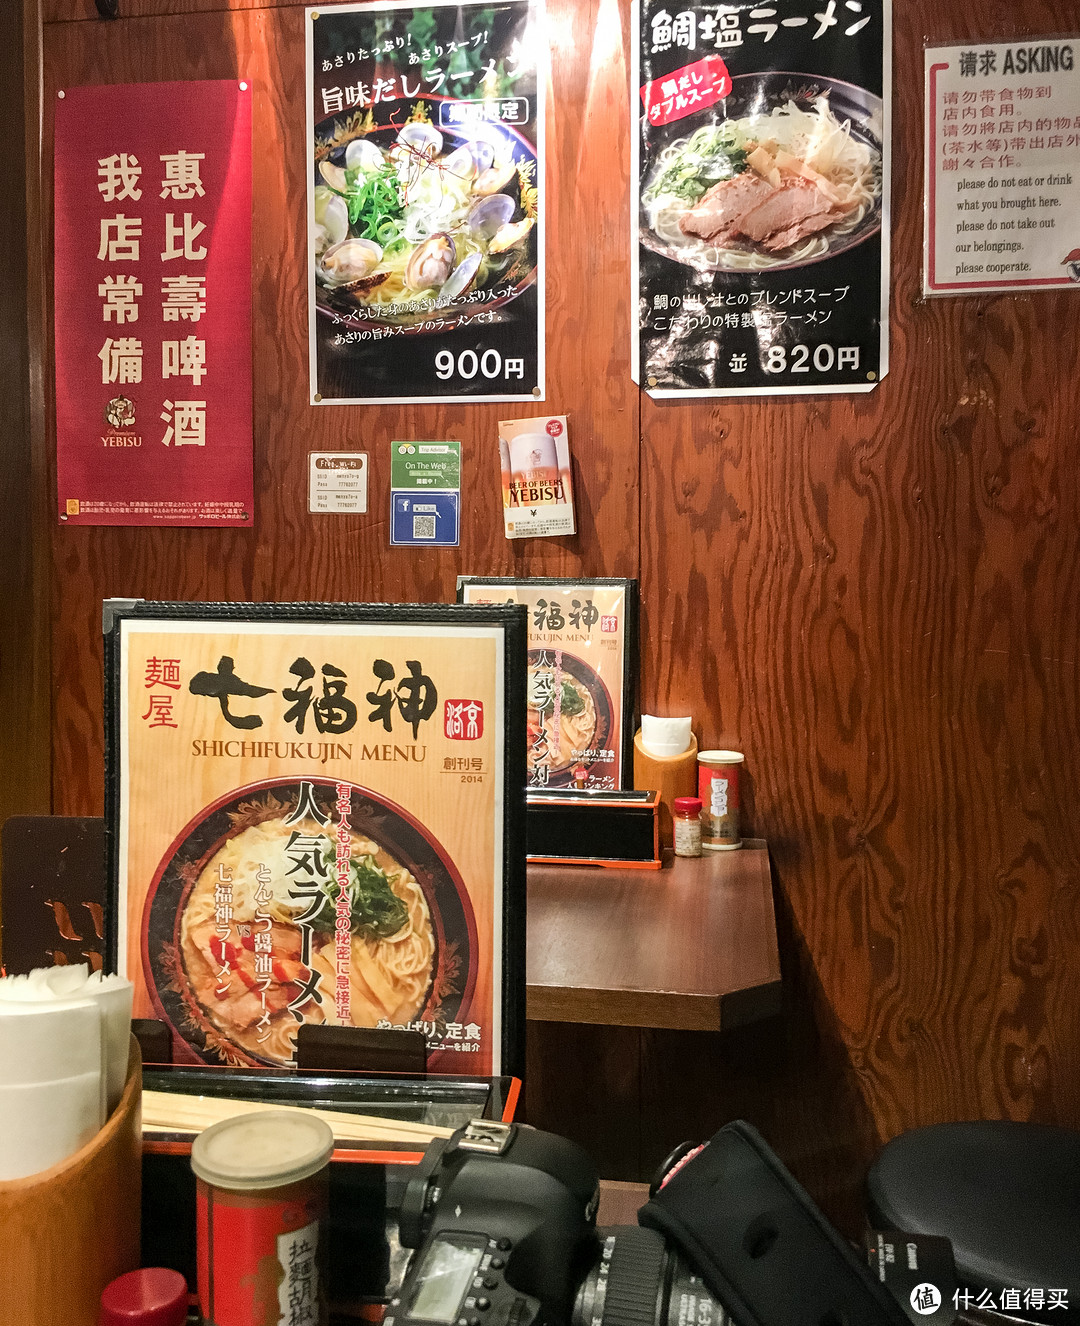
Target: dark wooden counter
691,947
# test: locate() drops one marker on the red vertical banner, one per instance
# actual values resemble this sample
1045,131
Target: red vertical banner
153,304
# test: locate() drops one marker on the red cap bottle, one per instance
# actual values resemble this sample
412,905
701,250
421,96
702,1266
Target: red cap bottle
151,1297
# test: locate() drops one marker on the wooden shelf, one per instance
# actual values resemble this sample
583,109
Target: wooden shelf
691,947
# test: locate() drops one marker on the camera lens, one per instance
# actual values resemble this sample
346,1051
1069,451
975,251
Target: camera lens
638,1281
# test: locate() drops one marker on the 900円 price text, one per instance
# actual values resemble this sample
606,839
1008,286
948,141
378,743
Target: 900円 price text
488,363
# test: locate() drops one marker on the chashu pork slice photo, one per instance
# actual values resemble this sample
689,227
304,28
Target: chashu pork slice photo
790,213
719,212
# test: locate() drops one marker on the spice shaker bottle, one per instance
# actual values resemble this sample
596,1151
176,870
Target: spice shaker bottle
154,1296
687,820
260,1218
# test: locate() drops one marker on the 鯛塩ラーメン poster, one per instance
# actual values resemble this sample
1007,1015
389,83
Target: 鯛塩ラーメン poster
425,202
313,818
760,222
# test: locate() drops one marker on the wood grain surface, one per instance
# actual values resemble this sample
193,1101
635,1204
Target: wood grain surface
620,1202
692,947
289,554
25,778
584,1082
874,597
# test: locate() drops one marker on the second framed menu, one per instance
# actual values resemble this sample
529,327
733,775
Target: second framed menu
581,691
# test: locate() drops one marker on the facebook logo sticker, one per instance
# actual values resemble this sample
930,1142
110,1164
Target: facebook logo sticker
427,518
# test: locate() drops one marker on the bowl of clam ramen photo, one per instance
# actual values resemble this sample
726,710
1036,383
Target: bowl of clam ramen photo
413,225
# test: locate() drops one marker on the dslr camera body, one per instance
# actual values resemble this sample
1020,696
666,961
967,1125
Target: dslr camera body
502,1218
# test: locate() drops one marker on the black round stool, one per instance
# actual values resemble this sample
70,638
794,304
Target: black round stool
1007,1195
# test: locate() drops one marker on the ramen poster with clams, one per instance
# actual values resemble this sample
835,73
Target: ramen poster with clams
308,823
580,690
425,202
760,246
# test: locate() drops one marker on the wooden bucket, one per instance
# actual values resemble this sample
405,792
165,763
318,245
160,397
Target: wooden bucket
71,1229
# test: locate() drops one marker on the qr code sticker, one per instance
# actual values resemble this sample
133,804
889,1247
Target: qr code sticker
423,527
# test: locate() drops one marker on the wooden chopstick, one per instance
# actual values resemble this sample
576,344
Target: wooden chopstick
169,1100
166,1111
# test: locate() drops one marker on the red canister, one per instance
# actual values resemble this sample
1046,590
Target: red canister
261,1207
718,787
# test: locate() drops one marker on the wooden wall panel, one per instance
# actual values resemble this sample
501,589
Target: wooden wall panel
289,554
584,1082
875,598
25,784
76,11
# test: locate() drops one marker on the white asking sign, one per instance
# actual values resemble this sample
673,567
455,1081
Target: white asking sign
1002,166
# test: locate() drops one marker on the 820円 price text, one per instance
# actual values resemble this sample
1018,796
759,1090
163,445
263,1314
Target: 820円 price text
822,358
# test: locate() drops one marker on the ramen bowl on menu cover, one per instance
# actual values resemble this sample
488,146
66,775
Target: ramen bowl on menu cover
238,993
569,718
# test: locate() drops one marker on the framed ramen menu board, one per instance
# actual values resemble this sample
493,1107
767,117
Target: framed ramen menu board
582,676
314,815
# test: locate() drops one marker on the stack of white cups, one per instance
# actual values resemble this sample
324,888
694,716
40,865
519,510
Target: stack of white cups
64,1038
665,737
